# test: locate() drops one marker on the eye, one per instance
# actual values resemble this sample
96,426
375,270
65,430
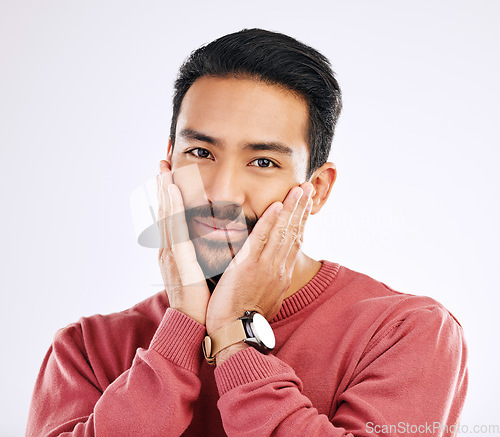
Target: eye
199,152
263,163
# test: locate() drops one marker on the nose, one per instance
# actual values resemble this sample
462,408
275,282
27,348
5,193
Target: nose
224,184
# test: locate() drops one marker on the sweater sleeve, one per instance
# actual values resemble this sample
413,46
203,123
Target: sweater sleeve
411,379
153,397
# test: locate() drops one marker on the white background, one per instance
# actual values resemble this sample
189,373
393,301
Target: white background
85,97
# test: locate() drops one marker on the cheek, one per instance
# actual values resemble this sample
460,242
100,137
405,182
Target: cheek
188,179
263,195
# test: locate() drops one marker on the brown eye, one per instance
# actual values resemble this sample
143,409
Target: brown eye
263,163
199,152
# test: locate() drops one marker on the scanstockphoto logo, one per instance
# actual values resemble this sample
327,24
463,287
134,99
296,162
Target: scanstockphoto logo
431,429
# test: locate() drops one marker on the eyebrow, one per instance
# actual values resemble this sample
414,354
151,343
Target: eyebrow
273,146
191,134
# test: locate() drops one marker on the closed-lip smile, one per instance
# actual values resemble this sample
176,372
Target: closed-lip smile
220,229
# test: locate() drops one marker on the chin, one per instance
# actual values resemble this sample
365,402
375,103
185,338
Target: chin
214,257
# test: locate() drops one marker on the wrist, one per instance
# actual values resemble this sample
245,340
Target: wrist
216,324
228,352
191,314
252,329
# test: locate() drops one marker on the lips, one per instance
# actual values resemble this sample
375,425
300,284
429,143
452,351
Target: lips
220,229
221,225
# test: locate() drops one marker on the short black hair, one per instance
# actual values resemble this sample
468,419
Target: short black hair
273,58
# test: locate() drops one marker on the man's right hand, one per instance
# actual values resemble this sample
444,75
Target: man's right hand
183,278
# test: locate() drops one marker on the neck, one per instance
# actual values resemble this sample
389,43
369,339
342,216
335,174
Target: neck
305,269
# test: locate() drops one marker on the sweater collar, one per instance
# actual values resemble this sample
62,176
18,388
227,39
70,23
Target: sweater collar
309,292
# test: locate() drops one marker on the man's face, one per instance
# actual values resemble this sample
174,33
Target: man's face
248,141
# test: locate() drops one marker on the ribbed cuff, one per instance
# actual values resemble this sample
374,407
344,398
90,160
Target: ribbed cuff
179,338
245,366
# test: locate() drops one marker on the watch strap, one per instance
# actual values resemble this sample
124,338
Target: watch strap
223,338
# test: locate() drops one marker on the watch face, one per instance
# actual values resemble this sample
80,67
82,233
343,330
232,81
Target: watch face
263,331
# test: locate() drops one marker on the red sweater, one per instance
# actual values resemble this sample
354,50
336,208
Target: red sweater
353,358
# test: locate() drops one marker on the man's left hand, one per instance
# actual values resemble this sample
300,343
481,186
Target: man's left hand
260,274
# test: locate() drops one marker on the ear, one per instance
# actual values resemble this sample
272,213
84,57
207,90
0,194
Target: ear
322,179
170,150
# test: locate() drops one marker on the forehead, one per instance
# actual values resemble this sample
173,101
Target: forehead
237,111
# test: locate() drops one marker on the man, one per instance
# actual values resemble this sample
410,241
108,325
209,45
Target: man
344,355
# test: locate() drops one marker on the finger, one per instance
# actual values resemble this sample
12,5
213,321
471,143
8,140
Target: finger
278,233
177,225
163,180
182,247
295,249
169,271
293,238
162,215
167,170
256,241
